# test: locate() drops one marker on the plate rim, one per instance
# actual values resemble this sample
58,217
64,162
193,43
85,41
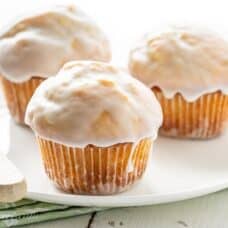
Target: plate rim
127,201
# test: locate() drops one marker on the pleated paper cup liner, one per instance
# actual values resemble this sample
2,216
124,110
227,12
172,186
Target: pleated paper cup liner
17,96
203,118
95,170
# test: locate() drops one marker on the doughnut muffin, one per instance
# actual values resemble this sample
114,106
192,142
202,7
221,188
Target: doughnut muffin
95,126
187,68
35,47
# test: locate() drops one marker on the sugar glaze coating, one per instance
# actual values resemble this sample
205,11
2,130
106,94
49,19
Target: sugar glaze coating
191,61
95,103
39,43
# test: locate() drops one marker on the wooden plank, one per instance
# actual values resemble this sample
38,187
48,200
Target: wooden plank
205,212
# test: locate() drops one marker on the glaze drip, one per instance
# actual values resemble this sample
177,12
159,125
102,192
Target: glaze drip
186,60
93,103
39,43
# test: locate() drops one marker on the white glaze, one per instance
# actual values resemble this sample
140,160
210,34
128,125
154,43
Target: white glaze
40,43
93,103
191,61
130,162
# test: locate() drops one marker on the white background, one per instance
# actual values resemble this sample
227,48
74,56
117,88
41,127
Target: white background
125,21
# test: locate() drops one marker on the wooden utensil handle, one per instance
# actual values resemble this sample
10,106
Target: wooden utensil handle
12,182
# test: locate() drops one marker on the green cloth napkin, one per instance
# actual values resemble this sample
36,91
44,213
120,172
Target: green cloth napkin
28,211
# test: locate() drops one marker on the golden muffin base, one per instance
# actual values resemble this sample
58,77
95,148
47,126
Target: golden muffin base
95,170
201,119
18,95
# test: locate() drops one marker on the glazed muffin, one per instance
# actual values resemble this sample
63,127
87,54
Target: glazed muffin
95,126
37,45
187,68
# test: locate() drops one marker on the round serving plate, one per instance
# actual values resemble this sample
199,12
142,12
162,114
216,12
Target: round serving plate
178,170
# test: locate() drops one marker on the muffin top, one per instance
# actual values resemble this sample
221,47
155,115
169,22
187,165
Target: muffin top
191,61
40,43
95,103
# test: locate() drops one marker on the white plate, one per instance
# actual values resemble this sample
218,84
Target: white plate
179,170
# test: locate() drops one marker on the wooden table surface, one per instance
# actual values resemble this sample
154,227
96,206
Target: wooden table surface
205,212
